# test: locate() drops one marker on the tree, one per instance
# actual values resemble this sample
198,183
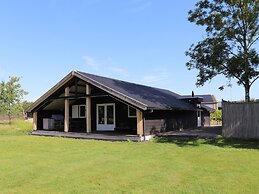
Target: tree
11,94
216,116
232,32
25,105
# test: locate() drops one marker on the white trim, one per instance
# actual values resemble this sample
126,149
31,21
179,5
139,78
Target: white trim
105,127
88,80
74,111
131,116
51,91
199,119
79,115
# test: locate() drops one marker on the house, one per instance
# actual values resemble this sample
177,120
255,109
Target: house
208,104
83,102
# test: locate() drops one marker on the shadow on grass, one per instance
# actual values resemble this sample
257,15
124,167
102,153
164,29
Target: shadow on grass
219,142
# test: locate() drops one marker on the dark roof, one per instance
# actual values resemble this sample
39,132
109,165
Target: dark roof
207,108
140,96
206,97
151,97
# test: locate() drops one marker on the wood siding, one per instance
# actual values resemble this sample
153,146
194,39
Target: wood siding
162,121
205,116
240,120
122,121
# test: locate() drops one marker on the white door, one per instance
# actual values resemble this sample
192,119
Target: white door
105,117
199,118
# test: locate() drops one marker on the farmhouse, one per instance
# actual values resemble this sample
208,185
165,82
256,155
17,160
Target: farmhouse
88,103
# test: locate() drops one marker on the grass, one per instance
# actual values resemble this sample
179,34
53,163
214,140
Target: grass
31,164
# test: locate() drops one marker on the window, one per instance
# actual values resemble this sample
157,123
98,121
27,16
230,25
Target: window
132,112
74,111
78,111
82,111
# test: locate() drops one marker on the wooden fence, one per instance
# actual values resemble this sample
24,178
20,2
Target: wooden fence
240,119
6,117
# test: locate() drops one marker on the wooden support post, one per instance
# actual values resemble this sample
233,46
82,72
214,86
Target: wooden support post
35,120
88,109
66,119
140,123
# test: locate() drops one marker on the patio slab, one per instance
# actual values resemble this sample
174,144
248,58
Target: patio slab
92,136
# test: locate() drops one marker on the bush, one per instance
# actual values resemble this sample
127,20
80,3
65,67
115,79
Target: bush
216,116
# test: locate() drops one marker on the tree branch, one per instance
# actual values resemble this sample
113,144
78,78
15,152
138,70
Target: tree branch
231,52
252,43
254,80
234,75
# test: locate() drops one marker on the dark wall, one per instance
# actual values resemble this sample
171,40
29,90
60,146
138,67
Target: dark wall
46,114
77,124
162,121
205,116
123,123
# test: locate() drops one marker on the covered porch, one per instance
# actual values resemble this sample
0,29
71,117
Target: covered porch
78,108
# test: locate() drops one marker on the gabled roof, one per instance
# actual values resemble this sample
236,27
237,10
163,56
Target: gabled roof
140,96
207,98
207,108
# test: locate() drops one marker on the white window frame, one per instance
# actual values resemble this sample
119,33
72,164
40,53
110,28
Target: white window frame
76,111
79,115
131,116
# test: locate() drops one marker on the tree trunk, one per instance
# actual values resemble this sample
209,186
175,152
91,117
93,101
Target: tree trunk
9,117
9,113
247,93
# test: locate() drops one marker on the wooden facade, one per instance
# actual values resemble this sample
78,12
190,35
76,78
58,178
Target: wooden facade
240,120
145,123
162,121
123,123
76,105
205,115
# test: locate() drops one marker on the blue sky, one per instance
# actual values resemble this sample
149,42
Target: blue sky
140,41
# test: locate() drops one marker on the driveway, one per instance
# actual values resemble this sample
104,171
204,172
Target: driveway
205,132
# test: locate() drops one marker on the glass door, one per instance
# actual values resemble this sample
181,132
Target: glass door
105,117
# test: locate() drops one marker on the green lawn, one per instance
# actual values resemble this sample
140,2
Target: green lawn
31,164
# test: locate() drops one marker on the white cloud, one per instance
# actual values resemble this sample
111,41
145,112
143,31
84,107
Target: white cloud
158,77
119,71
152,78
91,62
107,67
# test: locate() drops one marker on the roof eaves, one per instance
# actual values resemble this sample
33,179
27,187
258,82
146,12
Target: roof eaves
51,91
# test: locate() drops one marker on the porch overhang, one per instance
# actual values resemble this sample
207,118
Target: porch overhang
44,99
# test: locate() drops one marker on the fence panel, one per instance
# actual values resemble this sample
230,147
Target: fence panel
240,119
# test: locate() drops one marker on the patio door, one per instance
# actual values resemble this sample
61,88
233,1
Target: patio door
105,117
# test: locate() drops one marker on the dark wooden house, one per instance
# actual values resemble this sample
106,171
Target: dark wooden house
83,102
209,104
